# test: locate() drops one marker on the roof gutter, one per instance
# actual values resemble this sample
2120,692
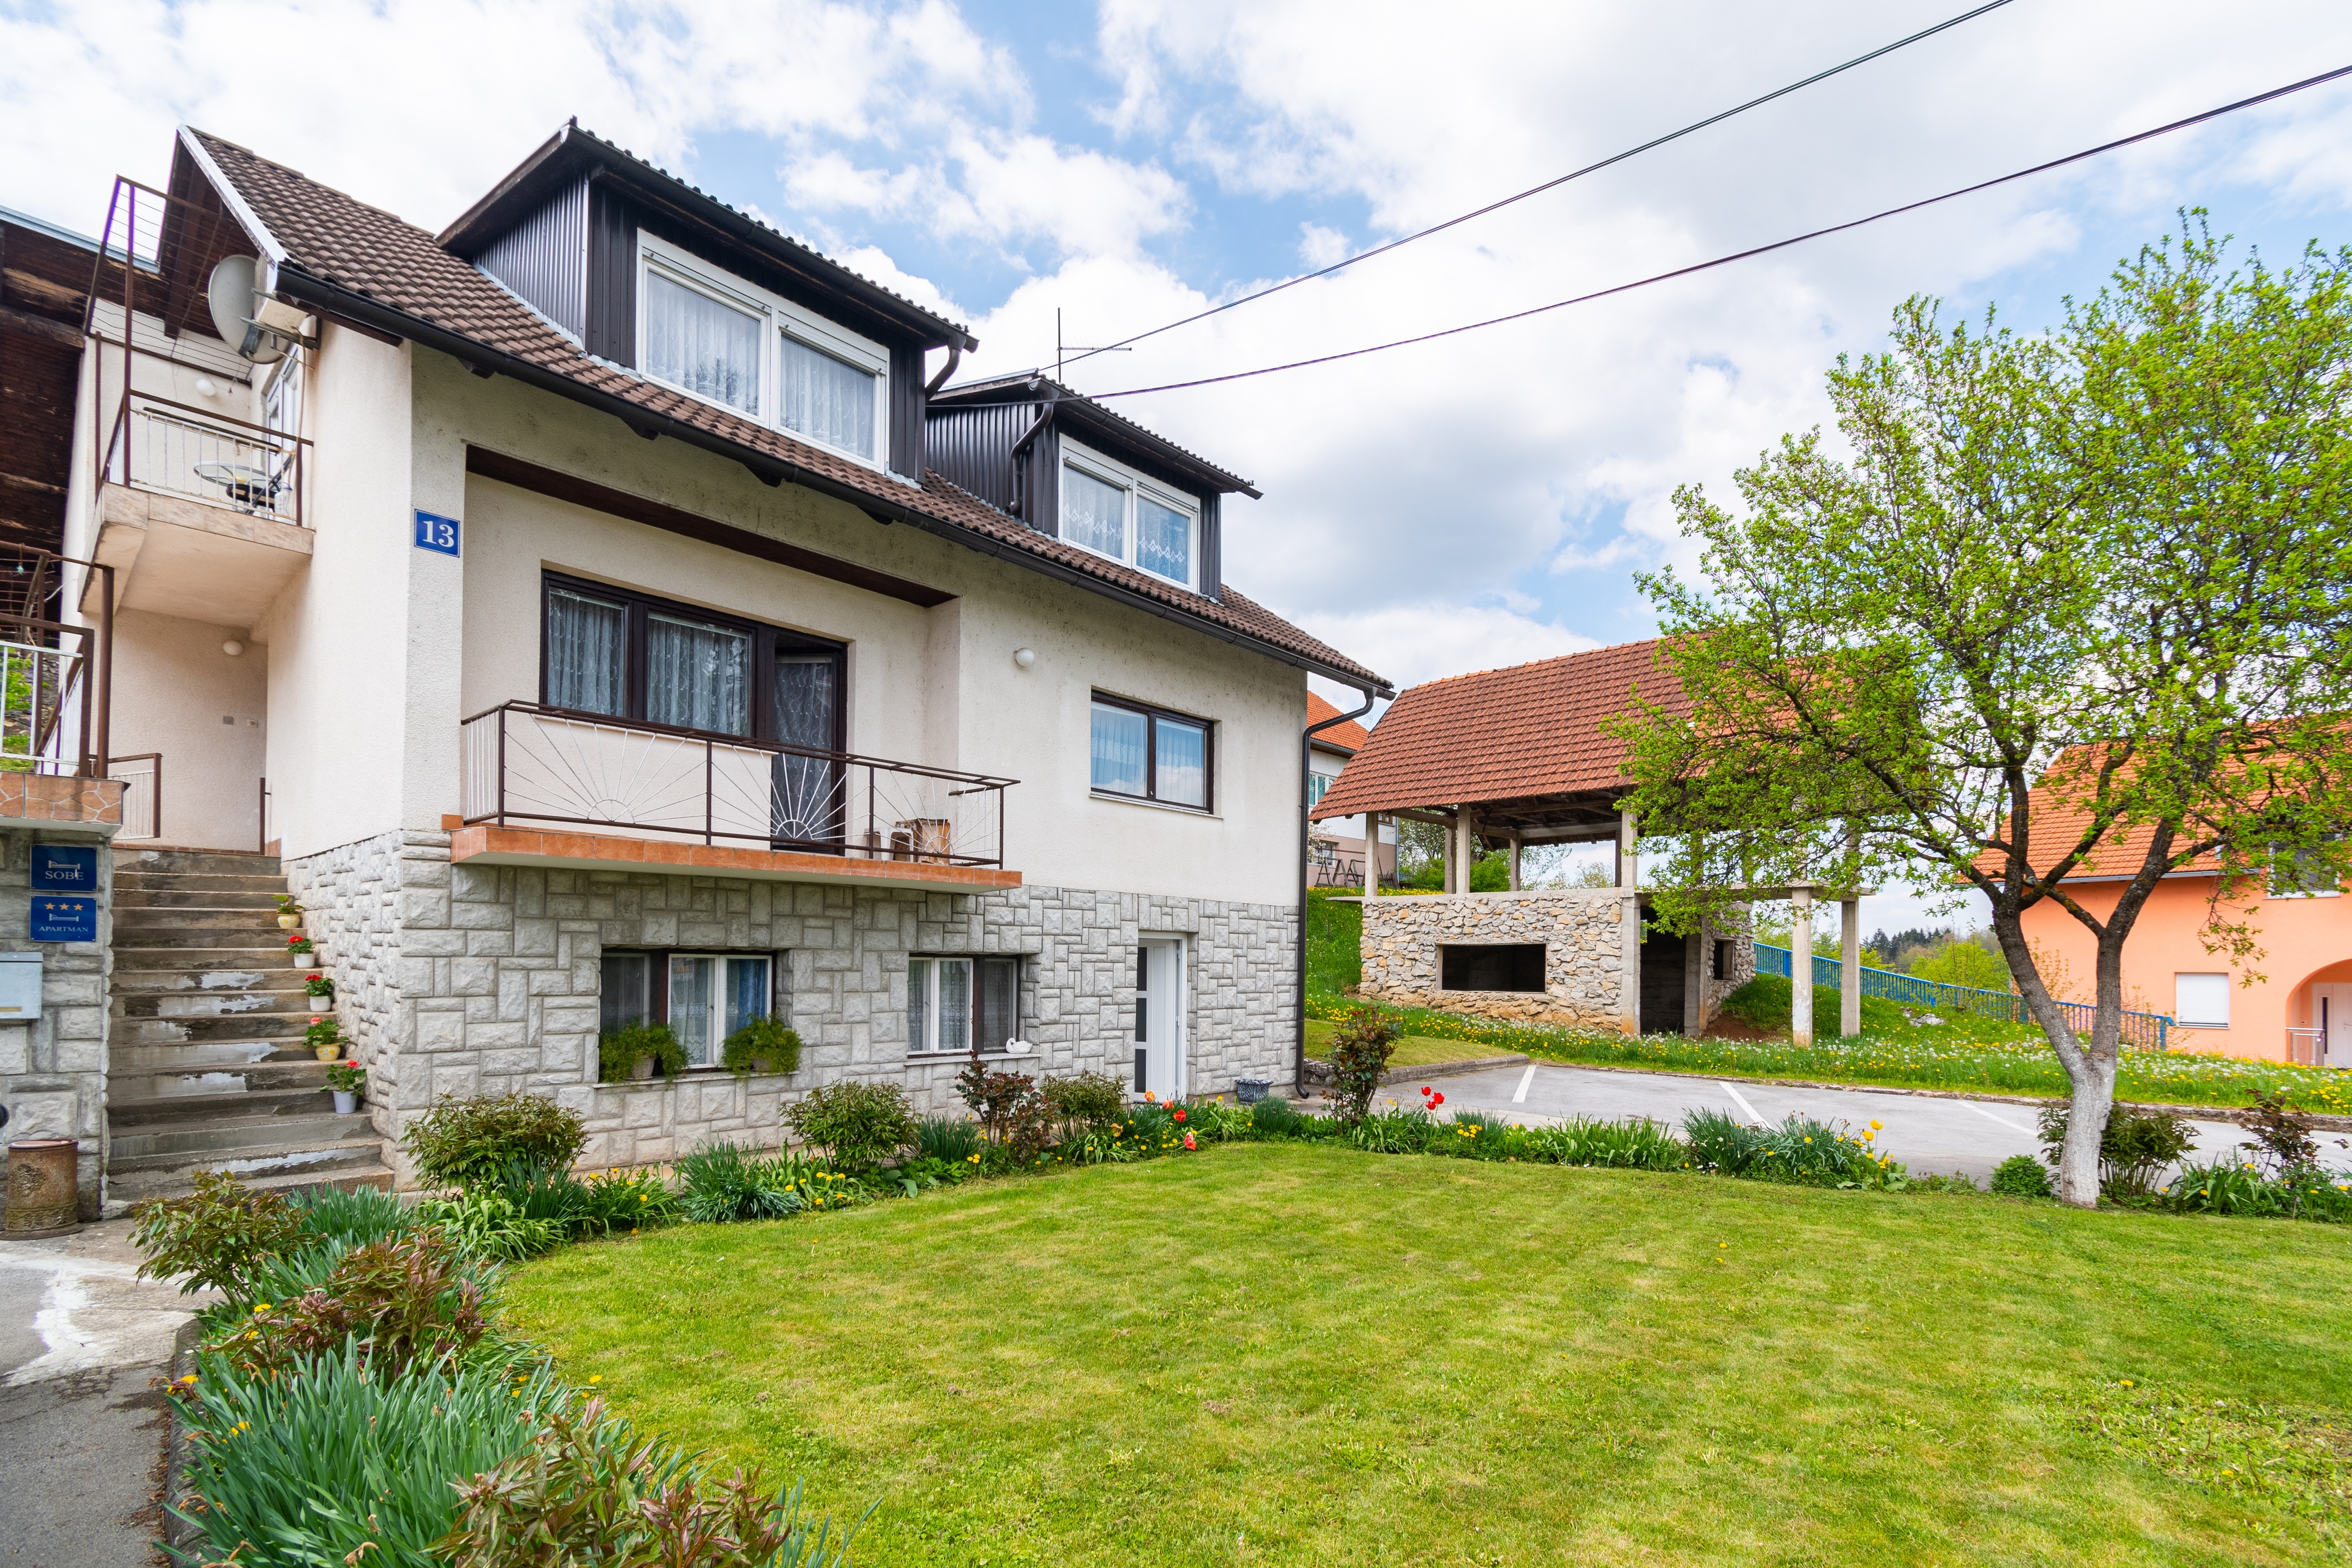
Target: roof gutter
483,360
1371,871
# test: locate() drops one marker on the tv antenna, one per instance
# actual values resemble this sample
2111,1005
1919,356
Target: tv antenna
1061,348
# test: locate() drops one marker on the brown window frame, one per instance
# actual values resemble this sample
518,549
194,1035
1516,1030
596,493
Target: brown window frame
1208,727
779,992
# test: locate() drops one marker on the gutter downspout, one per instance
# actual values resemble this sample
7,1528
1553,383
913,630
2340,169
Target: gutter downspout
955,358
1020,495
1371,852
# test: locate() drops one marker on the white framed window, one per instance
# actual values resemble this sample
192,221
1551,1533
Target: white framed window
2201,1001
703,997
713,335
1113,510
2301,874
954,1003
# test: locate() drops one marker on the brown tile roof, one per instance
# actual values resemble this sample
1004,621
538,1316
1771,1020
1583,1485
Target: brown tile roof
392,263
2055,825
1348,736
1528,731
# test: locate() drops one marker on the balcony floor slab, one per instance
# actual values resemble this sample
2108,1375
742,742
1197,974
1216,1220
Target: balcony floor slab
487,845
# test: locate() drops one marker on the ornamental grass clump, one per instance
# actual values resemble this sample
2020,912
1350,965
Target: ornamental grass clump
334,1460
722,1183
470,1142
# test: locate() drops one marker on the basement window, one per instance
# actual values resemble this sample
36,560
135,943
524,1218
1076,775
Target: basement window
703,997
1508,967
957,1005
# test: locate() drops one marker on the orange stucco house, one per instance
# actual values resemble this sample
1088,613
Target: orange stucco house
2300,1009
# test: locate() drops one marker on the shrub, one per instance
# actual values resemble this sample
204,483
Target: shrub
1813,1153
998,1099
2020,1176
355,1218
1215,1120
859,1125
1089,1101
470,1142
2283,1137
765,1039
341,1464
953,1140
2233,1187
398,1303
722,1182
619,1050
483,1222
1360,1048
626,1200
217,1236
588,1489
2134,1149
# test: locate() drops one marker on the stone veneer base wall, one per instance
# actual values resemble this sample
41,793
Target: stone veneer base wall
53,1068
463,979
1584,939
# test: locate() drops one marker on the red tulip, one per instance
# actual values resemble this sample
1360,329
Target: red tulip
1188,1141
1425,1091
1180,1116
1436,1101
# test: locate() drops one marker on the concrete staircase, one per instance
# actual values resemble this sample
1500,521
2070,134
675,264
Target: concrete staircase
209,1070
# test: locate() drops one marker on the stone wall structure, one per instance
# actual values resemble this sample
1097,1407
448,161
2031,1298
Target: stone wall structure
1588,936
463,979
53,1068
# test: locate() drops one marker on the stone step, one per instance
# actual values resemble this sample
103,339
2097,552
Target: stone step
233,1136
214,863
218,1108
210,1055
153,999
176,979
126,880
286,1166
207,929
128,1085
159,917
171,896
240,957
195,1030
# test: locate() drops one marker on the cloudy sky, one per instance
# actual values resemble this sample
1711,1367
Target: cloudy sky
1472,503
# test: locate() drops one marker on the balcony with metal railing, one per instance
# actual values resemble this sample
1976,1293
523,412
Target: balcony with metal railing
56,693
544,787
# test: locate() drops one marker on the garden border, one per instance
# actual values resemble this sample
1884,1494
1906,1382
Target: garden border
178,1451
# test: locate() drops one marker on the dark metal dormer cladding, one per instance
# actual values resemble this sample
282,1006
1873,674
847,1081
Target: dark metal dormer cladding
563,232
1015,441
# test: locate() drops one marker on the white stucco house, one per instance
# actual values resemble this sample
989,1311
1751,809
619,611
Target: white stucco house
603,609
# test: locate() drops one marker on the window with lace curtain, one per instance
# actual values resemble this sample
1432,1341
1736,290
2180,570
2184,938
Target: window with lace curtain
628,655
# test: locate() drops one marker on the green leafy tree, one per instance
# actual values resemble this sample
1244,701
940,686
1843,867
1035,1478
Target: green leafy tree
2114,561
1961,963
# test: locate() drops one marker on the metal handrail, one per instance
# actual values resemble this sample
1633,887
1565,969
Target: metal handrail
2150,1031
2306,1047
123,464
920,805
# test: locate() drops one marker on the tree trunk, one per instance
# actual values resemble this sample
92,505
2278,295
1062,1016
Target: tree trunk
2090,1073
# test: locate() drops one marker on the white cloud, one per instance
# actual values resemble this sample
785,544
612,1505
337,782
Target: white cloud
1319,247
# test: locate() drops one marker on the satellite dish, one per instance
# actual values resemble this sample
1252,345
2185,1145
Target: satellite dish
231,294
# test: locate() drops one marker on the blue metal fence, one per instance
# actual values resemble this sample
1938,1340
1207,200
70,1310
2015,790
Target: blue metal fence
2150,1031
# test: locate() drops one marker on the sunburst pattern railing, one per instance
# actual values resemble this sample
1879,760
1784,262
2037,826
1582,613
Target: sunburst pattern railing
527,765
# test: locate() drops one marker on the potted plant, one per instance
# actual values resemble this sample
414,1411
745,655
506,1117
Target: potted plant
762,1045
325,1036
289,914
346,1080
319,986
631,1055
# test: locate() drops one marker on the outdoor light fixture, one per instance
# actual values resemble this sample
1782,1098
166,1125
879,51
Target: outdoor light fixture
1024,657
207,387
232,647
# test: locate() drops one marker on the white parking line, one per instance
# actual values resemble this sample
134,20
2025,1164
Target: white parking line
1525,1082
2003,1120
1742,1101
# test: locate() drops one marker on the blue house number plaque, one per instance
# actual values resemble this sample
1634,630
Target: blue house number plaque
438,534
56,919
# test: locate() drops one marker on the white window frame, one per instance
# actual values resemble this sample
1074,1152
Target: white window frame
783,319
930,1045
2275,890
717,1020
1110,471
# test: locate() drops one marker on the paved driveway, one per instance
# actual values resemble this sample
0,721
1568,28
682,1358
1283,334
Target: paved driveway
1930,1135
83,1345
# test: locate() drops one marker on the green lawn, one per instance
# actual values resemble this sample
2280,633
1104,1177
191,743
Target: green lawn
1281,1353
1411,1049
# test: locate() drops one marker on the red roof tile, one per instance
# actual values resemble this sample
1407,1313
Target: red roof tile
1527,731
1348,736
392,263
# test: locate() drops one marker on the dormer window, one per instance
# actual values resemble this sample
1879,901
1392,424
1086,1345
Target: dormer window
1115,511
727,342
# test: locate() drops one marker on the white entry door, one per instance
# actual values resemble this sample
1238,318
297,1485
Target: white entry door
1160,1018
2331,1013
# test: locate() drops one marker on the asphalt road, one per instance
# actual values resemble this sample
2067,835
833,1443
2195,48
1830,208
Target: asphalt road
1930,1135
84,1348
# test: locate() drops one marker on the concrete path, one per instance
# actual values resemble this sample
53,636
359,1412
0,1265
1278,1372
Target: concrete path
84,1348
1930,1135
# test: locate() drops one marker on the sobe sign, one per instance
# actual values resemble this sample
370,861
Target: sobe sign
65,868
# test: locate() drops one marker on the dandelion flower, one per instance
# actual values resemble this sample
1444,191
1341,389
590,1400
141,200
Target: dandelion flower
599,1378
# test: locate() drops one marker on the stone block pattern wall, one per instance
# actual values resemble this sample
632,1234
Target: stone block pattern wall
467,979
1584,957
1739,972
53,1068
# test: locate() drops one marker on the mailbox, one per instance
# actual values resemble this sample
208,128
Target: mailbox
20,987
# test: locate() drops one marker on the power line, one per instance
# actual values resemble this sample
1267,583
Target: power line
1753,250
1550,185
